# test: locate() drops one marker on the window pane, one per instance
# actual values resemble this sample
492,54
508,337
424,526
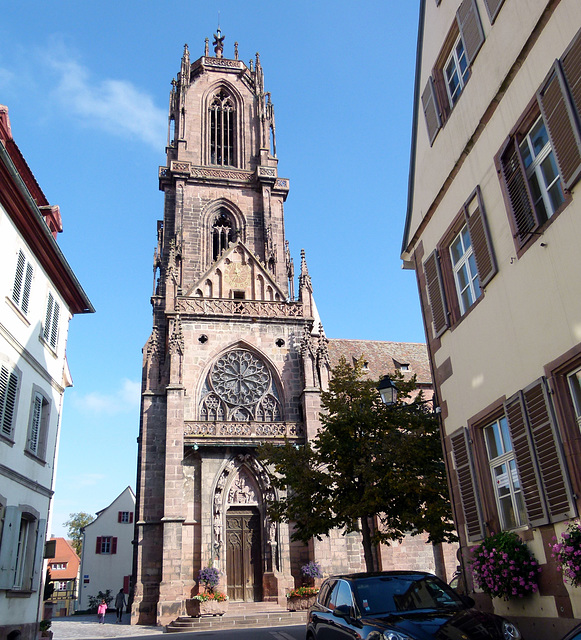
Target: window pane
456,250
539,137
493,441
462,277
505,434
575,387
507,516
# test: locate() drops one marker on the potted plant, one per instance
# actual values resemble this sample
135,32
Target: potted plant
301,598
44,629
504,567
311,572
211,602
567,553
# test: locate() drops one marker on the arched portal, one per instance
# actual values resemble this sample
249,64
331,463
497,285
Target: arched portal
243,536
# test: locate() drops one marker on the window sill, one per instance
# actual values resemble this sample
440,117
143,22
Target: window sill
35,457
18,311
47,346
6,440
19,593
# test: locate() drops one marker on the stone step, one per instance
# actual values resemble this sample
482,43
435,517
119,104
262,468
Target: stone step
254,616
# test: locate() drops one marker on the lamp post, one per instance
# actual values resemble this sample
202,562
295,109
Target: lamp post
388,392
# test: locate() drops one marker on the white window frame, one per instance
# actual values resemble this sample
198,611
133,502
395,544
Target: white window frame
466,262
512,481
51,323
22,286
574,381
106,545
535,169
125,517
456,58
9,380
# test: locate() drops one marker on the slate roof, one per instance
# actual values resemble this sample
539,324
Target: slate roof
384,357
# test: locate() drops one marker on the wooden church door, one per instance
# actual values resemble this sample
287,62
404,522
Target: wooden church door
243,556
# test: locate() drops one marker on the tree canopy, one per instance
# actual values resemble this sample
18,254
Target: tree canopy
75,525
369,463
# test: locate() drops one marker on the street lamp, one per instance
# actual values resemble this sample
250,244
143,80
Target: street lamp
387,391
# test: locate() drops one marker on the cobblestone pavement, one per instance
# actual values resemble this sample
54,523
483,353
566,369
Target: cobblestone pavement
80,627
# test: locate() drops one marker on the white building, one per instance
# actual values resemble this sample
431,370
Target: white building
39,294
107,557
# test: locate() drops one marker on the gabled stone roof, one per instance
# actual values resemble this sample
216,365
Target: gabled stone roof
384,357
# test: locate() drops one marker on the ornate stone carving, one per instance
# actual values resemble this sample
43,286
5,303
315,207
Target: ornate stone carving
240,378
251,429
250,308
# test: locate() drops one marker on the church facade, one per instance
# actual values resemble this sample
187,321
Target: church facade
235,357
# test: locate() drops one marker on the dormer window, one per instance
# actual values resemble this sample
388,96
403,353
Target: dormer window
222,234
222,129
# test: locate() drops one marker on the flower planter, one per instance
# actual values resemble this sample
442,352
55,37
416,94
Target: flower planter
300,603
196,608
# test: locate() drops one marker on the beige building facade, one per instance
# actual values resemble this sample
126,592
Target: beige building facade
492,229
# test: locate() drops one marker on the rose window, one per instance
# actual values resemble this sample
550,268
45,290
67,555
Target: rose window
240,378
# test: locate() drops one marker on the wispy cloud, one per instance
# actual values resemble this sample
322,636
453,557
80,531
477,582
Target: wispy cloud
115,106
123,400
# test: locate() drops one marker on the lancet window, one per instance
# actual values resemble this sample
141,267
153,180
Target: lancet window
222,234
222,129
240,387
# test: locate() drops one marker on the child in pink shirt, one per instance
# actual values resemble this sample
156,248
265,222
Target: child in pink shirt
101,610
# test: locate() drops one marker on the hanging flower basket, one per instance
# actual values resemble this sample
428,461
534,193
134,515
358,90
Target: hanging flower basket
504,567
567,553
301,598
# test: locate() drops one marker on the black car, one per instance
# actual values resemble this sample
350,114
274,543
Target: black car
399,605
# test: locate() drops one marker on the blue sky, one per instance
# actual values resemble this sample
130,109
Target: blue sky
87,87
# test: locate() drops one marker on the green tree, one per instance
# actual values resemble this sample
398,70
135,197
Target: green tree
75,524
370,463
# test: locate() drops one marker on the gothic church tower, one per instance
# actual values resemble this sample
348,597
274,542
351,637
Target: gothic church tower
234,357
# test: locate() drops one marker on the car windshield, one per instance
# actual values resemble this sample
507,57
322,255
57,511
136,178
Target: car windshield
394,594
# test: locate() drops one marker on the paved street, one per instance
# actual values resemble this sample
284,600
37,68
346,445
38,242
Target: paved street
87,628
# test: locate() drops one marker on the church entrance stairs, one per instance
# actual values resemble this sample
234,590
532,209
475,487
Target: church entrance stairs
241,615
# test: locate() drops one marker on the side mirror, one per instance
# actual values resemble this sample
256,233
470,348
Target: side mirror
343,611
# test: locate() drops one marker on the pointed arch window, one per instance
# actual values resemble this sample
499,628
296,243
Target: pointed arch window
222,129
222,233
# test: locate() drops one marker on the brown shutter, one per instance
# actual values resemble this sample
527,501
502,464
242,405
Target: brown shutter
550,459
470,28
481,242
493,7
98,545
436,296
571,65
431,111
562,124
468,490
517,189
525,460
113,545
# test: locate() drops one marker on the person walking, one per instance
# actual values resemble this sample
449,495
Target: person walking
101,611
120,605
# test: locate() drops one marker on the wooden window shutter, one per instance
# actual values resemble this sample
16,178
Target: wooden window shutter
10,530
38,555
120,516
98,546
571,65
481,242
34,434
113,545
431,111
525,460
493,7
130,517
436,295
468,490
550,459
517,189
561,116
470,28
8,388
126,584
